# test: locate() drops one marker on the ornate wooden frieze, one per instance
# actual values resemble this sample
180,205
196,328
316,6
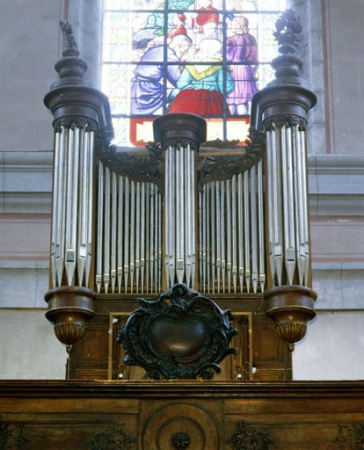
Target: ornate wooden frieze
181,335
115,439
12,437
145,165
223,167
244,438
349,438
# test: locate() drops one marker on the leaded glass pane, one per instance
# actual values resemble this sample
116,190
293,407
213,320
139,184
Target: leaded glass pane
206,57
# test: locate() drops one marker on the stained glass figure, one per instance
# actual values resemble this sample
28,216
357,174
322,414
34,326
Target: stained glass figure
207,57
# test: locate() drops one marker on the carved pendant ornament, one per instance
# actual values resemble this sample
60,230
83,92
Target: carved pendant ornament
181,335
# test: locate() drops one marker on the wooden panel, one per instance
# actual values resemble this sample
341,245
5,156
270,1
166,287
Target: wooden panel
157,415
257,343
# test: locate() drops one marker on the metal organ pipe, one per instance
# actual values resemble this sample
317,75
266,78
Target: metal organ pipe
180,206
287,204
233,234
71,249
127,237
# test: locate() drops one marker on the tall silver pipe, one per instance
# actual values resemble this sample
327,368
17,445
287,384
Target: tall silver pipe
288,205
126,234
114,225
82,210
120,248
100,231
229,232
260,181
247,234
241,258
305,213
218,235
132,236
234,232
137,234
56,205
254,229
90,202
107,217
144,233
223,235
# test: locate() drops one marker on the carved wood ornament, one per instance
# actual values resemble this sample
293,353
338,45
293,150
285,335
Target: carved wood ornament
181,335
245,438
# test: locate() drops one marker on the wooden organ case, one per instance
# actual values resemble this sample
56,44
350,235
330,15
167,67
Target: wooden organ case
180,280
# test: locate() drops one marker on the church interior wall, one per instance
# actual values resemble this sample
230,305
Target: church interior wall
334,68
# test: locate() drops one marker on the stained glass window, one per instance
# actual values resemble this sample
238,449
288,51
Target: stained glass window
206,57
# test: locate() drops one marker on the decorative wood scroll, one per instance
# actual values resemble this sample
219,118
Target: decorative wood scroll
181,335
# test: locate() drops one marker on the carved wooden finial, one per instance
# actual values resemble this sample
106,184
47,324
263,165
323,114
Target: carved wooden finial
288,26
71,67
71,44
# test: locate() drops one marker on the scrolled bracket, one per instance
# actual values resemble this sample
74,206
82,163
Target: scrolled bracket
181,335
220,168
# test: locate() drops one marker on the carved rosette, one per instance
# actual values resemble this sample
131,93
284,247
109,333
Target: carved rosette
181,335
291,307
69,310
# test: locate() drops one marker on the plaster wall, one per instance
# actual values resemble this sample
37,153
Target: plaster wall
343,25
28,52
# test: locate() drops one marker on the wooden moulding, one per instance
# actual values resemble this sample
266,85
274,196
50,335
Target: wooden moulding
291,307
69,310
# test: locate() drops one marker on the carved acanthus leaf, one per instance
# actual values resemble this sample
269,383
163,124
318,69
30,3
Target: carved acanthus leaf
284,119
138,166
349,438
115,439
247,437
288,26
223,167
12,437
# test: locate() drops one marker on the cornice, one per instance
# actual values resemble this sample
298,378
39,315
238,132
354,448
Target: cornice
239,390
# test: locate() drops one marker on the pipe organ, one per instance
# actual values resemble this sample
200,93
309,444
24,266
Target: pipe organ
195,257
225,219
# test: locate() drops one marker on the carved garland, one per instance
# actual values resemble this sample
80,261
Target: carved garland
138,166
12,437
116,439
245,438
349,438
222,167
